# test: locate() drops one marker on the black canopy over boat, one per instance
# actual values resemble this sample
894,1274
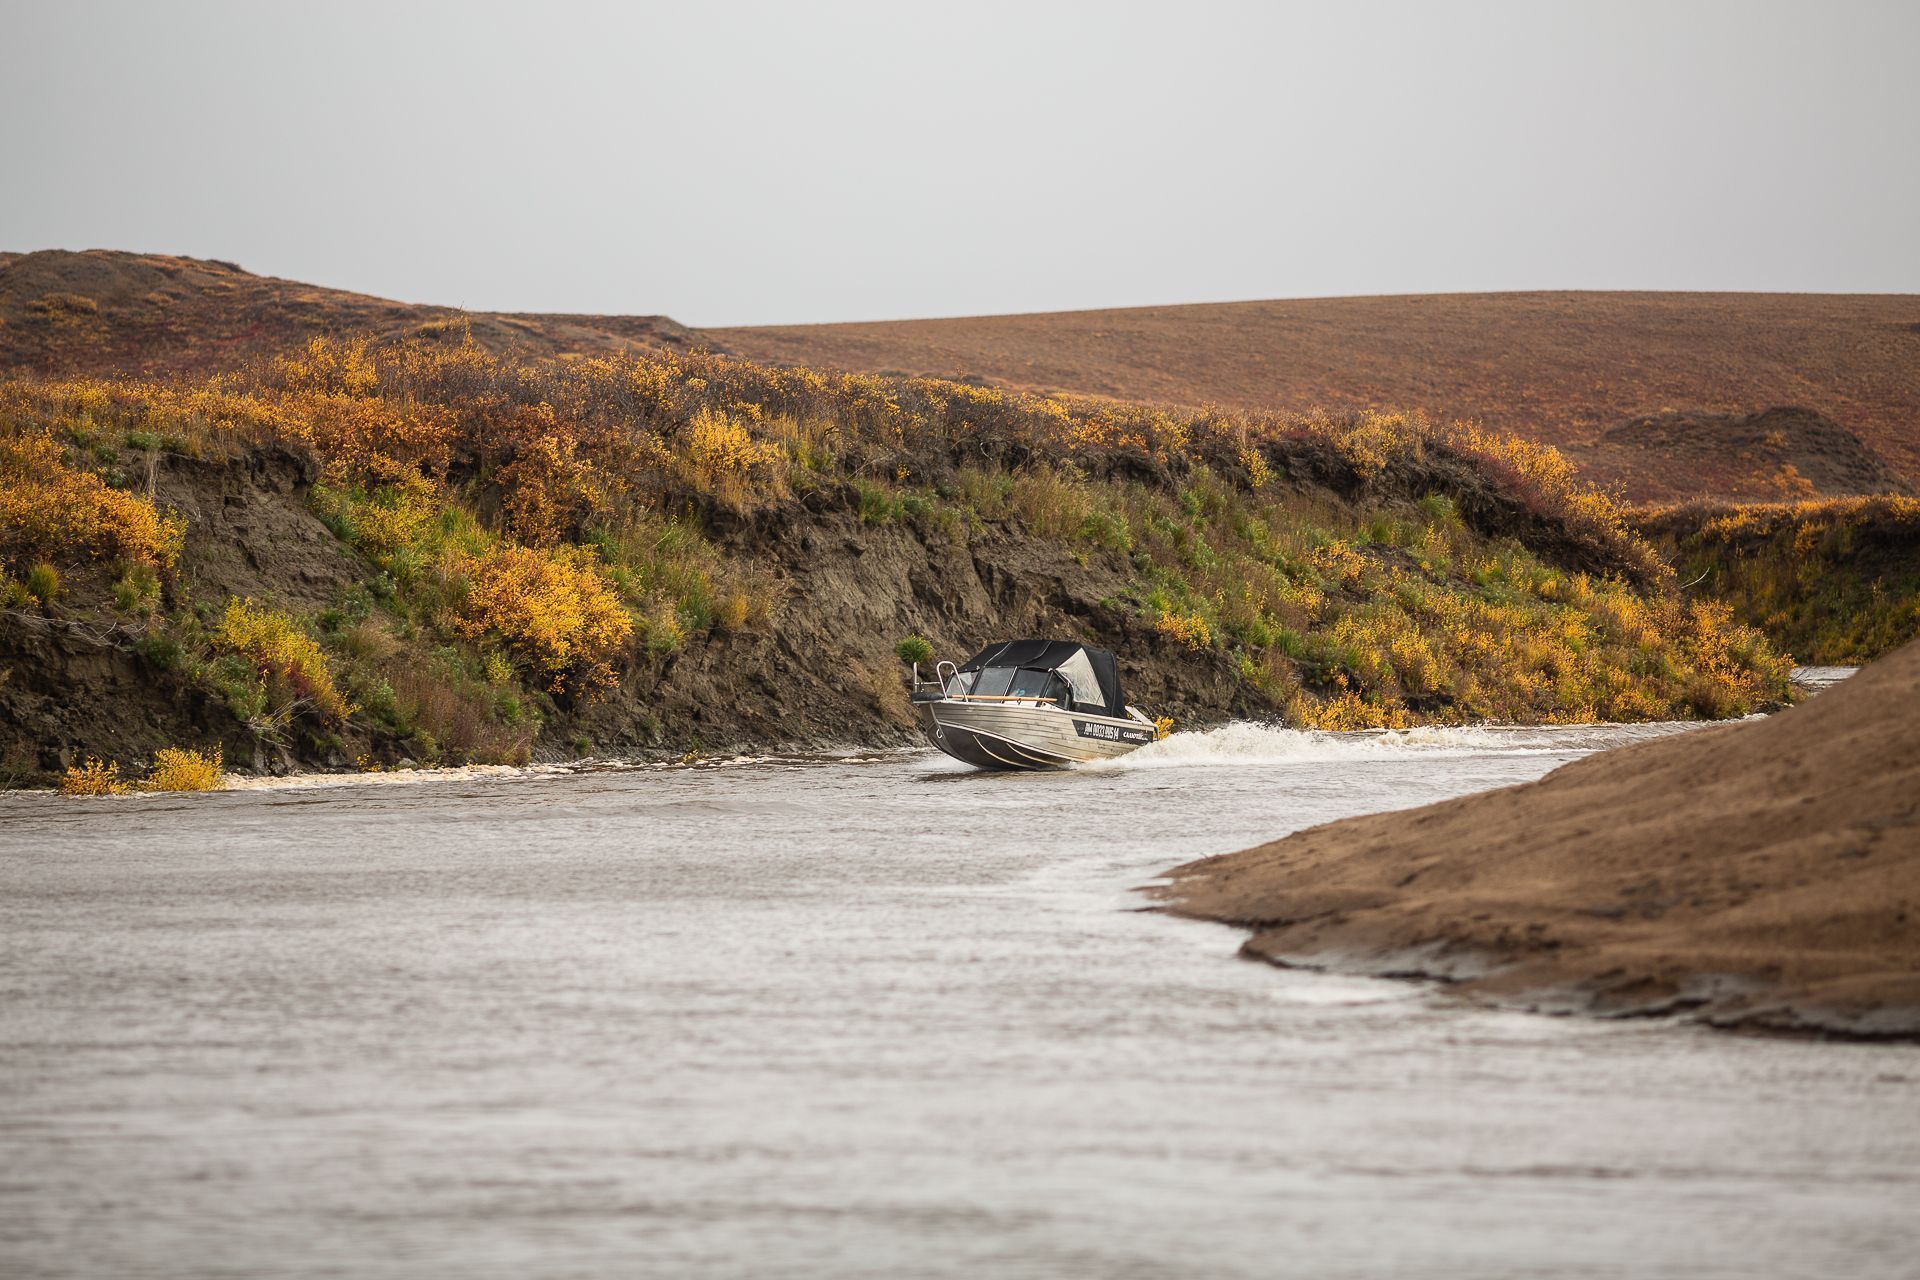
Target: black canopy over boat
1088,677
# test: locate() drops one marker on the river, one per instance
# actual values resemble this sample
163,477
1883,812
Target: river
851,1016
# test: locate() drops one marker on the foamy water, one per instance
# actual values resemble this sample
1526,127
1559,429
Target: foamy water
1244,743
860,1016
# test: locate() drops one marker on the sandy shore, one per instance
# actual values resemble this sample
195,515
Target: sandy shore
1763,875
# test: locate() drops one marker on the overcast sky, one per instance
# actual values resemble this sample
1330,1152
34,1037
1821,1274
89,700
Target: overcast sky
750,163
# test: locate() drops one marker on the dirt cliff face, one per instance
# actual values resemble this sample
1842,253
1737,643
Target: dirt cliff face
76,681
828,674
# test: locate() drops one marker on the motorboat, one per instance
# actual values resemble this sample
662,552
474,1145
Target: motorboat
1030,704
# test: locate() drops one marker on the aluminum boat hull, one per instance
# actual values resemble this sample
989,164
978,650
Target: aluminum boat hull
1006,735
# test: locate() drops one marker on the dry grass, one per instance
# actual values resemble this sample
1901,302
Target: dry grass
454,720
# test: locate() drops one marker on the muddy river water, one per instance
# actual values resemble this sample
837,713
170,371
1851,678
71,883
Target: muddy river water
853,1016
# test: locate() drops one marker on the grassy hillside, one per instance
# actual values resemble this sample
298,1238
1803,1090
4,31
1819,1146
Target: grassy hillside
1556,367
419,549
1831,582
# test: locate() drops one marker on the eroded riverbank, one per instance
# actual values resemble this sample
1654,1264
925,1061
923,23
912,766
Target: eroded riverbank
1757,876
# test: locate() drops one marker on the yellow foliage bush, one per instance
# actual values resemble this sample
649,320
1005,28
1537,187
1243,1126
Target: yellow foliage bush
178,769
720,454
1259,474
92,778
1189,629
50,509
550,488
1342,713
331,365
551,608
394,515
1370,441
284,658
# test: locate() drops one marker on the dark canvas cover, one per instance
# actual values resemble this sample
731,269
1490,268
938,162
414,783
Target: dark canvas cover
1048,655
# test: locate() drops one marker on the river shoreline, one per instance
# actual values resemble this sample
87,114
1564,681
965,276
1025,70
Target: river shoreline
1758,876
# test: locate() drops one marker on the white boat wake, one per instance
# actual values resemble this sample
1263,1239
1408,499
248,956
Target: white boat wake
1245,742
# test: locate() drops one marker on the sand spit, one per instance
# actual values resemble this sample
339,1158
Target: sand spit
1763,875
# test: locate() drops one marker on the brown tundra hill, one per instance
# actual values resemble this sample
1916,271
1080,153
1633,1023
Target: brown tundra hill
1571,369
106,312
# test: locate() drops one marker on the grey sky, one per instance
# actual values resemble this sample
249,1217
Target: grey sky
765,163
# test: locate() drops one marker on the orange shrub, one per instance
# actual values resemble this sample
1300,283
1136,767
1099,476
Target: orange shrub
392,516
720,454
552,609
331,365
368,440
50,509
550,488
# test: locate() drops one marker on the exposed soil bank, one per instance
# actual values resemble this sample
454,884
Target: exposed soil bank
1763,875
77,681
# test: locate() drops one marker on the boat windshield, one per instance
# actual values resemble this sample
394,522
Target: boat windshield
1028,683
1015,682
992,682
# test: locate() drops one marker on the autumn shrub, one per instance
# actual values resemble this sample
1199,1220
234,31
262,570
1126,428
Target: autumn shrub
330,365
51,510
1189,629
719,454
550,488
552,609
387,518
288,665
181,769
91,777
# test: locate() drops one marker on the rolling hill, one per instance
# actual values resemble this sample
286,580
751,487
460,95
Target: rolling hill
1565,368
1663,397
102,311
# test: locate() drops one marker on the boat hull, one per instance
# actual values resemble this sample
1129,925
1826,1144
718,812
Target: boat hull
1011,736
